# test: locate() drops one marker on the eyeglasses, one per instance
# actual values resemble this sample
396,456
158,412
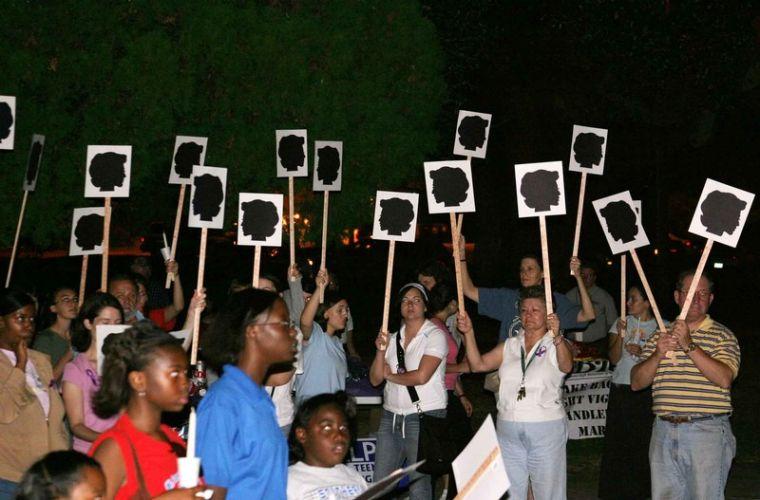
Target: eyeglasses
68,300
702,294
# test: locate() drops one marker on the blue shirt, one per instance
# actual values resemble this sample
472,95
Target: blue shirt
324,366
239,442
503,304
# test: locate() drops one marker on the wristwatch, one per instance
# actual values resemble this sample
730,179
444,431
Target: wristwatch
690,347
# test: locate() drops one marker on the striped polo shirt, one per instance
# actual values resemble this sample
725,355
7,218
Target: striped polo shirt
680,388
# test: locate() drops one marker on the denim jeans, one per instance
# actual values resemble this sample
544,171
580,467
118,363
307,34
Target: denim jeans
7,489
535,451
397,440
691,460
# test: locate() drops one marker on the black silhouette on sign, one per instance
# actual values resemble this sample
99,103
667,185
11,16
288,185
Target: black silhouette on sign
291,152
34,162
209,195
107,170
588,149
396,215
328,164
260,219
89,231
540,190
6,120
621,221
472,132
450,186
721,212
188,154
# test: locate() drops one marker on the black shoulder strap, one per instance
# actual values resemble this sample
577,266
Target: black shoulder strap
401,364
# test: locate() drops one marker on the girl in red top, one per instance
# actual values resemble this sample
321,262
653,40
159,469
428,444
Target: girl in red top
144,374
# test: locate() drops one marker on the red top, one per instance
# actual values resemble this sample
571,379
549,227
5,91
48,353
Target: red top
158,318
157,459
450,379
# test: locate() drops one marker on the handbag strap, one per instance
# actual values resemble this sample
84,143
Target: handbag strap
401,364
142,489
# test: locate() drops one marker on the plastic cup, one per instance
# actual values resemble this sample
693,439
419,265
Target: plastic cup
189,469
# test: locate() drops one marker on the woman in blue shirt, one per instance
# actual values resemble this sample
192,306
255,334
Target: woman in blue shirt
243,452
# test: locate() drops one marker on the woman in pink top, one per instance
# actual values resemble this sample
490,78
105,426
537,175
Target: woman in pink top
80,376
443,304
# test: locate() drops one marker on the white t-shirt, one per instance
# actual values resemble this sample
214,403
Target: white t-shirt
543,382
337,482
429,341
33,381
282,397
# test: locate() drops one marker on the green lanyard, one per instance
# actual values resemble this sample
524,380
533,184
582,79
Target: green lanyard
521,391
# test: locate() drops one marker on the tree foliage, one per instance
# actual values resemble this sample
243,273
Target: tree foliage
89,72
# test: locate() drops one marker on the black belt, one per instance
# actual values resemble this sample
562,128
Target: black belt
685,419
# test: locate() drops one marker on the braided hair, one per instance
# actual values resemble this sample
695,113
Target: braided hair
54,475
128,352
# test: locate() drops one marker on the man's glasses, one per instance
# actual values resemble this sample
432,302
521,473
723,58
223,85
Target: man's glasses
702,294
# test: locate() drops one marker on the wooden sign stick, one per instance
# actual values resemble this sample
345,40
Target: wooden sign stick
291,222
460,220
482,468
256,265
15,240
175,236
545,264
106,245
457,261
199,286
579,217
647,290
323,265
695,279
83,278
388,281
622,286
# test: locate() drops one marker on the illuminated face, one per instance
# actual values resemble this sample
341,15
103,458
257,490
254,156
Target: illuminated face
106,316
530,272
337,315
413,305
65,304
166,382
126,293
325,439
17,326
533,314
703,297
636,303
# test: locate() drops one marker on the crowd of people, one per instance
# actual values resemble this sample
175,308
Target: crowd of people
276,420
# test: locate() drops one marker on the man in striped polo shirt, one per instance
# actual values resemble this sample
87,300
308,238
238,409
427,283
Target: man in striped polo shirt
692,444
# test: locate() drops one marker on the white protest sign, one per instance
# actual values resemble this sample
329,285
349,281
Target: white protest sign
87,231
328,166
33,163
479,469
108,171
395,216
189,151
721,213
7,121
588,149
471,138
292,154
101,333
209,185
620,222
260,219
449,186
540,189
586,397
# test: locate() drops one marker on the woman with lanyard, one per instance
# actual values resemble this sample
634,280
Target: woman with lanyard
31,411
531,427
624,472
411,362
